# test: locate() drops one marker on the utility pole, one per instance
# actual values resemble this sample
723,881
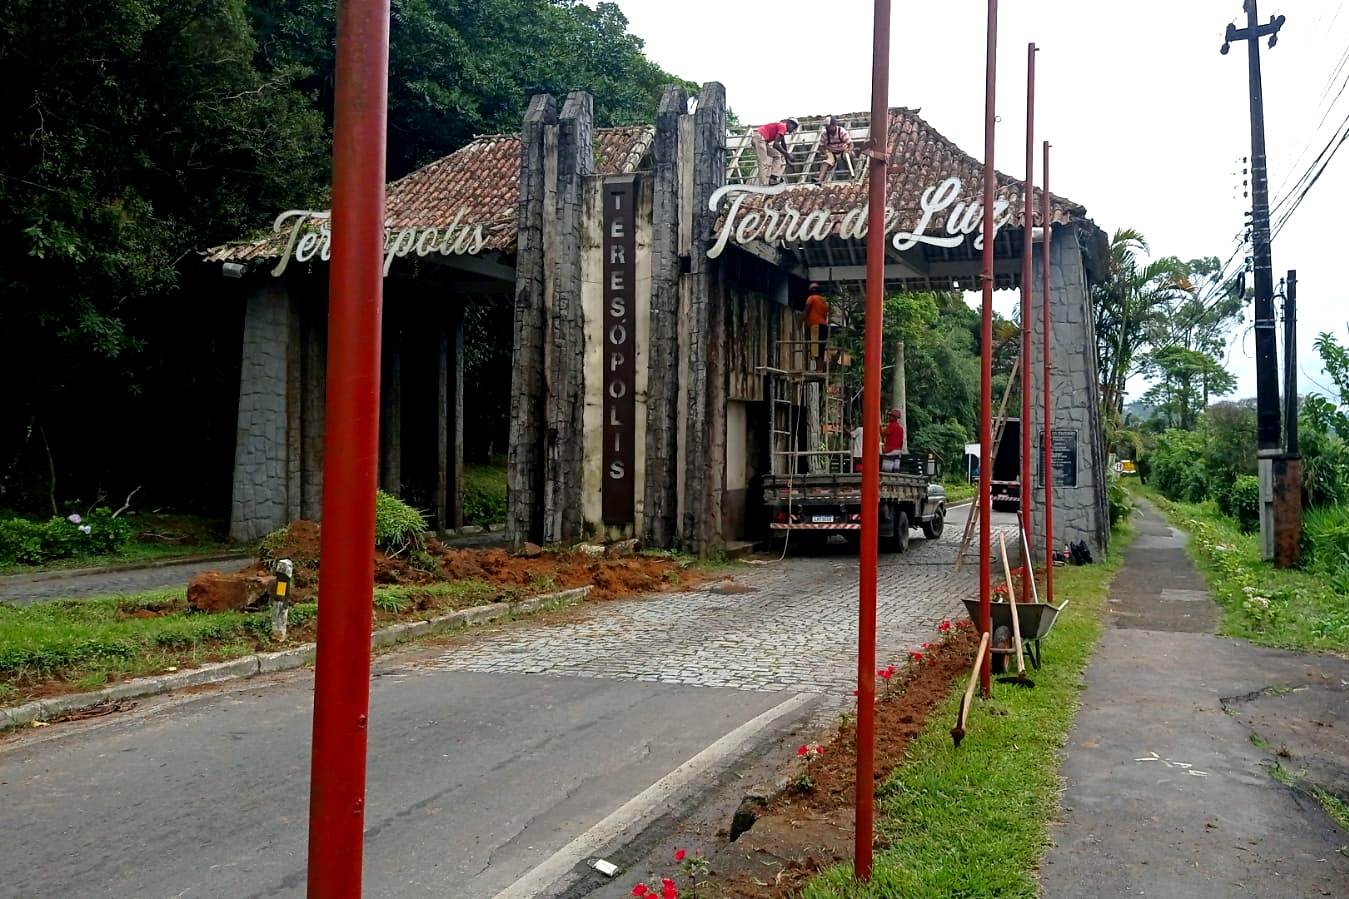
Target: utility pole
1266,347
1288,466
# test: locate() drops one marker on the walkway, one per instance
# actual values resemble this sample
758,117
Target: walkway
1169,791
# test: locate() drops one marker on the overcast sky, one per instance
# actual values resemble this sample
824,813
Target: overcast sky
1148,121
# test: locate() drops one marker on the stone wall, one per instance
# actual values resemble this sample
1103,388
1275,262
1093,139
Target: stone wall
1080,512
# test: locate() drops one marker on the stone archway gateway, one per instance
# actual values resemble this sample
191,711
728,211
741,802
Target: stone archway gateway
652,280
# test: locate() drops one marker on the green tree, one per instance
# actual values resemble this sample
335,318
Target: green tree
1185,380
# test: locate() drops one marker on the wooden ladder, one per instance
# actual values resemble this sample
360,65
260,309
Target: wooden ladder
999,427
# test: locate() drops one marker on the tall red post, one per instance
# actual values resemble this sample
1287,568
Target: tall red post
879,149
1027,311
986,346
350,451
1048,393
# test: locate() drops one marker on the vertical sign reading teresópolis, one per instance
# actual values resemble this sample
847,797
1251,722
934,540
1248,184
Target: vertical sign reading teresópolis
620,342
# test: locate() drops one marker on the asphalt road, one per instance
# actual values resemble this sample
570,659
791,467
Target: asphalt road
473,780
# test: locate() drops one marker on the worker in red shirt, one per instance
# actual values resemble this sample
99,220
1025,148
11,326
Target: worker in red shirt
817,323
770,149
894,442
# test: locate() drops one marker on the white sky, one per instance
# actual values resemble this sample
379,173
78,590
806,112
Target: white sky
1147,120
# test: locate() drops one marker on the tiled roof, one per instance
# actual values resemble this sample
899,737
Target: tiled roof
920,157
482,179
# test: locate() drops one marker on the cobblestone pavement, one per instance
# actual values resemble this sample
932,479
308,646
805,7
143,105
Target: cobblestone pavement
782,626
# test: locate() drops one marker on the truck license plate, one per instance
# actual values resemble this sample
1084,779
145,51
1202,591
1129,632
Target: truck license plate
822,519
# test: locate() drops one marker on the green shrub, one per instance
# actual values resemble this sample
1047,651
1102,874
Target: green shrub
1177,466
1244,500
1325,539
1121,504
28,542
398,526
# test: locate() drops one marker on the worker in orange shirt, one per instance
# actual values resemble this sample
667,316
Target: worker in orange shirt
817,323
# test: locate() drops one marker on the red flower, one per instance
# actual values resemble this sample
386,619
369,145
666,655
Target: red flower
803,751
965,624
667,889
640,890
819,750
916,656
886,673
927,645
944,626
854,692
679,855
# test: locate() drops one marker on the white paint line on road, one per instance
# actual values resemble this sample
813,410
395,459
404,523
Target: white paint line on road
647,802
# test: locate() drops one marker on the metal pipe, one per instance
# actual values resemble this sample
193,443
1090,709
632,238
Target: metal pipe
878,151
986,347
351,452
1027,360
1046,333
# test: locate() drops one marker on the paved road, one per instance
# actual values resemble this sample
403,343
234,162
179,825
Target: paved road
487,759
1168,793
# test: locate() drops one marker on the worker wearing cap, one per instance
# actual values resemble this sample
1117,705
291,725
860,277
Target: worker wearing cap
770,149
894,442
817,322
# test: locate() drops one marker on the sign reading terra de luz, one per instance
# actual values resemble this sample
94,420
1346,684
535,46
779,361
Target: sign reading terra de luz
787,224
620,325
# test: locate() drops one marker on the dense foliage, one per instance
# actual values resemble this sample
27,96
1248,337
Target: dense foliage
141,131
26,542
398,526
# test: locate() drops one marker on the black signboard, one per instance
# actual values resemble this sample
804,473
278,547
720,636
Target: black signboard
1062,457
620,343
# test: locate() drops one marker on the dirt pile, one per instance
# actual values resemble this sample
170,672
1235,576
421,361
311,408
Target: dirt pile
801,833
214,591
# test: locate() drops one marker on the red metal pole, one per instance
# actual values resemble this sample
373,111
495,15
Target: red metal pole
1027,311
350,451
1045,332
986,344
871,441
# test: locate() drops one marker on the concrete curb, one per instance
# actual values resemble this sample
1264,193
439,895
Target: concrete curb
60,574
271,662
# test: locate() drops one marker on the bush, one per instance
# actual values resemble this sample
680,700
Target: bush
1244,499
27,542
946,439
1121,504
1177,466
1325,539
398,526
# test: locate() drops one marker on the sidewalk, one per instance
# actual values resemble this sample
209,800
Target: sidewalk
1169,791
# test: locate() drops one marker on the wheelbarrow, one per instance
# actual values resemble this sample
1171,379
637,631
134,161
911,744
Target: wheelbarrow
1036,620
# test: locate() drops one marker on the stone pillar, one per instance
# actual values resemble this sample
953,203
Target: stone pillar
264,442
703,341
1080,510
661,494
524,504
566,326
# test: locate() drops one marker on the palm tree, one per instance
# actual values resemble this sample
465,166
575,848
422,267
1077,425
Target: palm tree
1131,305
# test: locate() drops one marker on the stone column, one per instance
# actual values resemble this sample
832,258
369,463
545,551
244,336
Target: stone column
661,493
566,356
1080,511
264,444
703,342
524,504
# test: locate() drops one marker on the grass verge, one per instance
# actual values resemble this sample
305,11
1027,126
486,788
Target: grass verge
1290,609
973,822
959,492
84,644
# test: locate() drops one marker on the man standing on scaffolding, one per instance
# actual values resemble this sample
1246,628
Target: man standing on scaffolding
817,324
770,149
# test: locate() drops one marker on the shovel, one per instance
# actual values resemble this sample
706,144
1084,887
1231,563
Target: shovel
1021,680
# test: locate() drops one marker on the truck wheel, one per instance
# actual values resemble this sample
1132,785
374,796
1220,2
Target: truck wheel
933,527
901,538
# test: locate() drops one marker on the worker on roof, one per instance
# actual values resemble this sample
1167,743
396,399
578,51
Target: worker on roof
770,149
817,323
836,143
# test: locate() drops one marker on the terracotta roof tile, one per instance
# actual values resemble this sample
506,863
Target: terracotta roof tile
481,178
